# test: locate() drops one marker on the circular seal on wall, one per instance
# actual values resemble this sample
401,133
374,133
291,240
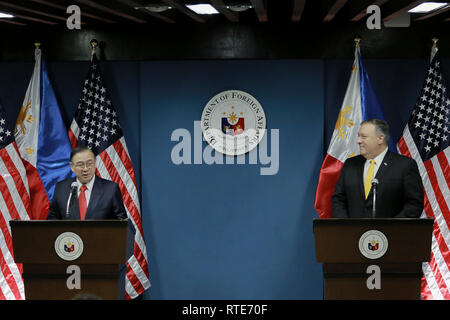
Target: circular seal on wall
69,246
233,122
373,244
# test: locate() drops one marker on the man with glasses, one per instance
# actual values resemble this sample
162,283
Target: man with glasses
86,196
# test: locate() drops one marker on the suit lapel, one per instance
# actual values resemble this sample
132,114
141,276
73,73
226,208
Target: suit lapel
74,210
384,166
361,176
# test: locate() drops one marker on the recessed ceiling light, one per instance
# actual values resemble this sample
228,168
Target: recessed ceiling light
239,7
202,8
156,8
6,15
428,7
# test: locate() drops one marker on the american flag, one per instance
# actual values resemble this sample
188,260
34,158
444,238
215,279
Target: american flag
96,125
14,204
426,139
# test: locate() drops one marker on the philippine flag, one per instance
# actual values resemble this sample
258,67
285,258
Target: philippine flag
42,139
360,103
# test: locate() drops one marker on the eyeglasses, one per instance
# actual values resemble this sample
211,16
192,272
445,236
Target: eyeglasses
82,165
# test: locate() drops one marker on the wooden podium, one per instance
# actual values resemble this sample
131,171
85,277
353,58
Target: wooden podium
45,273
340,244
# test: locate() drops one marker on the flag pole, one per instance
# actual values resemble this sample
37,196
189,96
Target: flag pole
435,41
94,44
357,41
434,48
37,45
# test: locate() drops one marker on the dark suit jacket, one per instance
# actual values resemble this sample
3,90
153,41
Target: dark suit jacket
105,202
399,191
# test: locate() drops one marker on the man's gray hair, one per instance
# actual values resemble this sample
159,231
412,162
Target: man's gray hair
381,128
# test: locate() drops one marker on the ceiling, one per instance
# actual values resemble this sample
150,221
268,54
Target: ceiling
105,13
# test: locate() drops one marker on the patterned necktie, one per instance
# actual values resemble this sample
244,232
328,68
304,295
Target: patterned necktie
369,178
82,203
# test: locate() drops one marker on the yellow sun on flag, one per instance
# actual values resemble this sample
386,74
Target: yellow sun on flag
343,121
24,117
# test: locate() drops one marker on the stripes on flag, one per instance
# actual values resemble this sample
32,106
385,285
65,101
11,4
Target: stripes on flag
426,140
14,204
96,126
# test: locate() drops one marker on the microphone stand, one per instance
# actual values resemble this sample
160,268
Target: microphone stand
374,187
70,200
68,205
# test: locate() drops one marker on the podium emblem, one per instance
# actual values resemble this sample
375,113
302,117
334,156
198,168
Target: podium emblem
69,246
373,244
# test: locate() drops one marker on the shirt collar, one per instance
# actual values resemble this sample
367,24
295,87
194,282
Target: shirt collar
379,158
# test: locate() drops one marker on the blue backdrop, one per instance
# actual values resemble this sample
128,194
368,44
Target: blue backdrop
224,231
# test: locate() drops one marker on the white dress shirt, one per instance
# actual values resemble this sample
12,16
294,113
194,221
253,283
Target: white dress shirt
378,160
88,190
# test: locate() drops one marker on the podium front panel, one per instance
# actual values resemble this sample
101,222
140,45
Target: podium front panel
394,248
337,240
102,249
49,282
104,241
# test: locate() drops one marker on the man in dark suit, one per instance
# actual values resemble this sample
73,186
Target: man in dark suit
399,193
95,198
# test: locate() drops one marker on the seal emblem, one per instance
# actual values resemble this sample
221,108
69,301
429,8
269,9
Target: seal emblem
373,244
233,122
69,246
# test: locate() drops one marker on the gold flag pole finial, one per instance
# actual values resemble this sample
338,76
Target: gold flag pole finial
435,41
357,41
94,44
37,44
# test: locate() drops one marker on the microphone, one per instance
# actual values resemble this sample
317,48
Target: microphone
72,196
374,187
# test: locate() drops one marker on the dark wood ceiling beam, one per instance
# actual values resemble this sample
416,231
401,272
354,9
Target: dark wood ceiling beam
297,12
182,8
24,17
334,10
399,7
260,10
83,13
222,8
432,14
111,11
362,11
156,15
37,12
13,22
